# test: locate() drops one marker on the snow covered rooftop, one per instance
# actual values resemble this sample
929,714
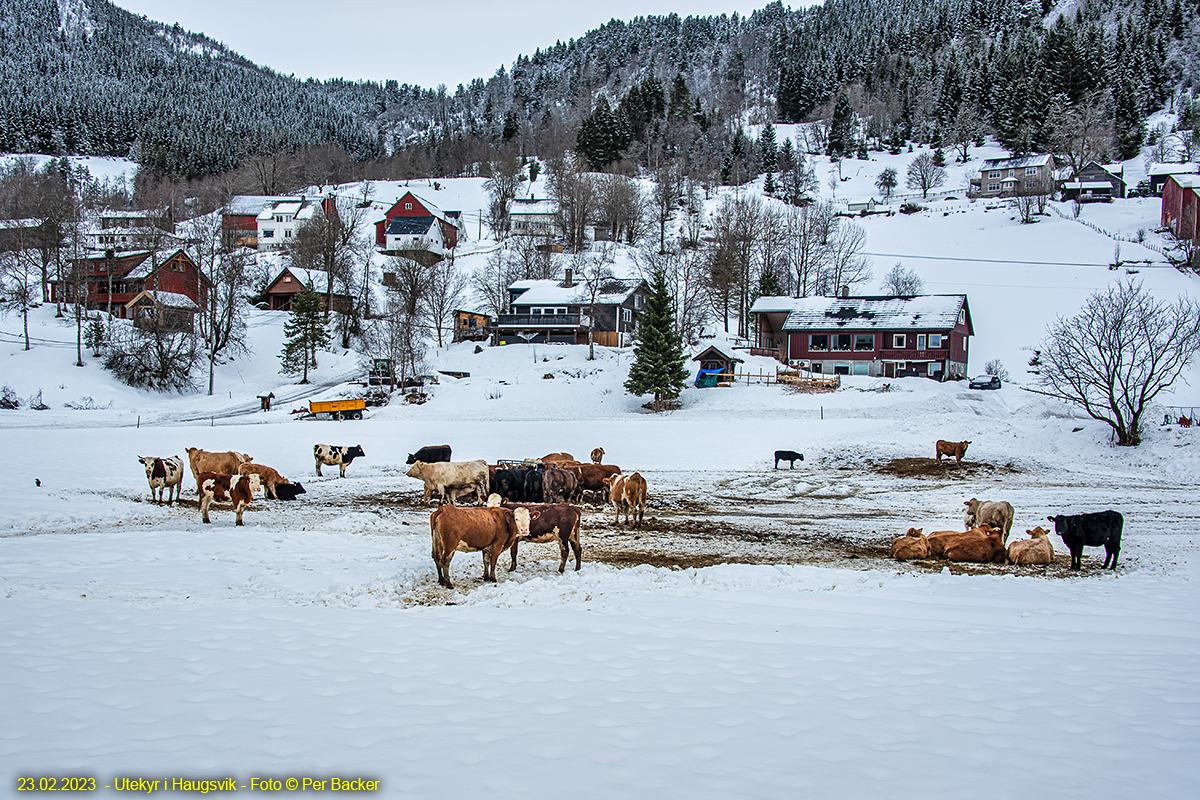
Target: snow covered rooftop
168,299
775,304
933,312
555,293
315,278
520,206
1018,162
1087,185
1173,169
250,204
1187,181
150,261
299,208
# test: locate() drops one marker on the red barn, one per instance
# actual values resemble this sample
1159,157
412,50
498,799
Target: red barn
130,275
412,206
1179,206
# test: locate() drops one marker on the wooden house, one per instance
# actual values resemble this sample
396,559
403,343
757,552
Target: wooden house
1157,174
1095,182
439,229
1180,196
530,217
280,218
130,274
880,335
715,364
162,311
557,311
292,280
471,325
1006,177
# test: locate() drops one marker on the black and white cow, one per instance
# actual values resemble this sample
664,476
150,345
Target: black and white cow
164,473
1091,530
333,456
430,455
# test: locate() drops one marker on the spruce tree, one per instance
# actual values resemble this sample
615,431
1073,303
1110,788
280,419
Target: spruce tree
658,357
306,333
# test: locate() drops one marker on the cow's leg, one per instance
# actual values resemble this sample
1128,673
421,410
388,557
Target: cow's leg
513,550
238,513
341,470
204,502
562,553
318,468
1076,558
578,550
491,554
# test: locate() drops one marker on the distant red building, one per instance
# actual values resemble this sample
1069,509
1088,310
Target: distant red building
131,274
1179,206
412,206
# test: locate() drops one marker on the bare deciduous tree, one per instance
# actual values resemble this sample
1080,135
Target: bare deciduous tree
1115,356
221,323
1082,131
902,282
683,272
447,287
594,272
924,174
575,192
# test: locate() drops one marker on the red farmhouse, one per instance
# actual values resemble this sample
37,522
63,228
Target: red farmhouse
412,206
131,274
1179,206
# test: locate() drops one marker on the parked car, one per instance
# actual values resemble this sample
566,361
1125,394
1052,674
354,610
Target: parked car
984,382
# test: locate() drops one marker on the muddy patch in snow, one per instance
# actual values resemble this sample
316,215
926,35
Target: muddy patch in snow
932,468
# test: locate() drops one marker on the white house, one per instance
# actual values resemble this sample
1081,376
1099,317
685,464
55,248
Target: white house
279,219
529,217
132,230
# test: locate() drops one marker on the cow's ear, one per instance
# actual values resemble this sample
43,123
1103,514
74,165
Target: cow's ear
534,515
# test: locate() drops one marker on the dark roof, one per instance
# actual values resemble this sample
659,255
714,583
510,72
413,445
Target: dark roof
923,312
408,226
713,350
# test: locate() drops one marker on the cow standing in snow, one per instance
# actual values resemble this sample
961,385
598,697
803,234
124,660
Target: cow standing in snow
164,473
340,457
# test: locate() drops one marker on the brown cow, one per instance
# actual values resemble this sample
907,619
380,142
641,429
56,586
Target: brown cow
558,457
597,455
556,522
939,539
489,530
627,492
1035,550
987,550
226,463
558,485
956,449
267,476
910,545
236,489
591,477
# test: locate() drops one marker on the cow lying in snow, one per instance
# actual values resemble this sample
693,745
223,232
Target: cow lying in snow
453,477
998,514
288,491
431,454
911,545
269,478
236,489
628,493
986,549
1092,530
489,530
164,473
956,449
1035,550
340,457
558,522
939,540
226,463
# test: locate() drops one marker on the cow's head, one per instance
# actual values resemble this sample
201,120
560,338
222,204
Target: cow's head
494,500
1060,523
355,452
609,480
243,458
417,470
411,458
1038,533
522,517
972,505
914,532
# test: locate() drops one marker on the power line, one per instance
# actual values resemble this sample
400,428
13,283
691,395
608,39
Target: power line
1132,264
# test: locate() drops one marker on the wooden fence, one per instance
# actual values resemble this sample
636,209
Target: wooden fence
805,381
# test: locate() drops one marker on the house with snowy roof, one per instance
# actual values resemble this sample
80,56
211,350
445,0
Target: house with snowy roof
1005,177
414,226
157,310
290,281
561,311
1181,207
531,217
132,229
1157,174
874,335
128,275
239,217
279,218
1096,182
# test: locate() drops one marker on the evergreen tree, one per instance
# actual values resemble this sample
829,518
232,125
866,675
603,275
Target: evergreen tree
658,360
305,333
841,128
766,146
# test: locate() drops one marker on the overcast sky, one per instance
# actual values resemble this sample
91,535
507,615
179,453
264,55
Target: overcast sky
423,43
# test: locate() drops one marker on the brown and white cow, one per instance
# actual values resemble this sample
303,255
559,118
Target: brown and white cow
627,492
998,514
236,489
453,478
911,545
554,522
956,449
487,530
226,463
164,473
1035,550
269,478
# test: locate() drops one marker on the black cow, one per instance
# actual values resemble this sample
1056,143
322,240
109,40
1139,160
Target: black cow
509,484
430,455
791,456
288,491
1092,530
533,485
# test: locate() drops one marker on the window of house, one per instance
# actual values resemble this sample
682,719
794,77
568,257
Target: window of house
934,368
841,369
537,311
995,174
471,322
816,366
1031,170
408,206
818,341
993,187
287,278
898,340
935,340
268,234
862,368
627,315
962,317
639,302
864,341
841,341
920,341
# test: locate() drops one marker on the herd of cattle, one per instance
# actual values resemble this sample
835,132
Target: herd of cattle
534,501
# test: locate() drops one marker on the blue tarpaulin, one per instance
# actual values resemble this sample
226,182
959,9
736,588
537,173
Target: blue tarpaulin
707,378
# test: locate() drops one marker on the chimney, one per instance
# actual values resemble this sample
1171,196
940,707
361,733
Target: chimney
845,291
569,281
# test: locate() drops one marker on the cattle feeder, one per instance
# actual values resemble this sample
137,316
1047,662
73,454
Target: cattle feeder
336,409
